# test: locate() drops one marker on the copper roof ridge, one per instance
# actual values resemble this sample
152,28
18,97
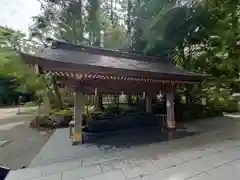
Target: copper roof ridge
56,44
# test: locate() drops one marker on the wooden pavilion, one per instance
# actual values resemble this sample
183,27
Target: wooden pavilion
87,68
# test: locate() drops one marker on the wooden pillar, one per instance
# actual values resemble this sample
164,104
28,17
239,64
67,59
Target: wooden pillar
148,102
144,95
117,100
170,110
114,99
96,101
79,107
92,101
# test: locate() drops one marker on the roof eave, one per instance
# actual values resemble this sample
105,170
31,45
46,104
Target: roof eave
193,77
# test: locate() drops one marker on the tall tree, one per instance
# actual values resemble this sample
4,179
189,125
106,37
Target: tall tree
12,70
94,27
201,36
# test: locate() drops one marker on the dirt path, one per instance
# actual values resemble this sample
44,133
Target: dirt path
23,142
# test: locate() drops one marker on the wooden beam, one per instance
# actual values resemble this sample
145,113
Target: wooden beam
170,108
111,86
79,104
99,76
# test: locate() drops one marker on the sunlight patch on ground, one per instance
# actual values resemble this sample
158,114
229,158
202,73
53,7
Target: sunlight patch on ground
232,115
9,126
12,112
4,143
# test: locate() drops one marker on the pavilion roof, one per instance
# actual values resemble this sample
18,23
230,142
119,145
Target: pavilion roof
78,55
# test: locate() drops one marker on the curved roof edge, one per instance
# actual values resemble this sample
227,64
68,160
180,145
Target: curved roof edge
105,59
60,44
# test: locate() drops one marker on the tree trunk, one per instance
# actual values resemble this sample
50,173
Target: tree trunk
111,12
234,50
78,28
185,66
58,99
114,99
117,100
129,23
50,92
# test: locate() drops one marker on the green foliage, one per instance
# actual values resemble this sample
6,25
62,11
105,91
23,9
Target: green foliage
91,23
8,95
200,36
11,66
10,39
64,112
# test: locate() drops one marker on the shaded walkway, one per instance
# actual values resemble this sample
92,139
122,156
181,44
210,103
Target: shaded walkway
59,147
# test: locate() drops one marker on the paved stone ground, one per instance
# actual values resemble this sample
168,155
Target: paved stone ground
10,113
23,143
116,143
213,154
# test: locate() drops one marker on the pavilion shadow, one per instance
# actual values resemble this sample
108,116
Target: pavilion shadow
115,140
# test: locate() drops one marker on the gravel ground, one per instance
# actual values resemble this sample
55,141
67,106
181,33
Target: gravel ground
24,142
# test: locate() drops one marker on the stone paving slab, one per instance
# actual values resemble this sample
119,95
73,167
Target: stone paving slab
235,164
170,167
117,164
56,176
203,176
225,172
112,175
182,159
148,166
58,167
183,171
141,178
65,152
80,173
99,160
23,174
